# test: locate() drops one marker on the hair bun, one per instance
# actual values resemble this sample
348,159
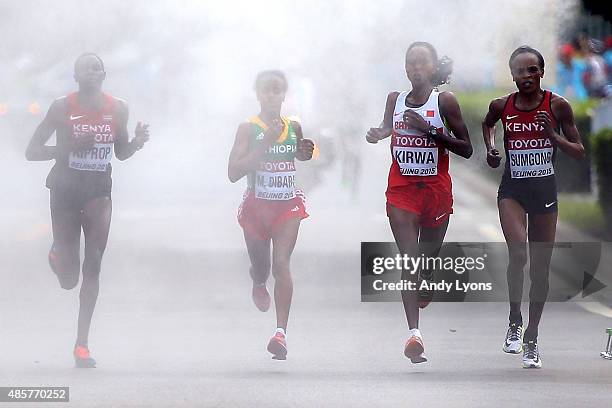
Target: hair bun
444,69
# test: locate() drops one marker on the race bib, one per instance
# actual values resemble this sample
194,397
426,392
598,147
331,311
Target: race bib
415,155
529,163
275,186
95,159
98,157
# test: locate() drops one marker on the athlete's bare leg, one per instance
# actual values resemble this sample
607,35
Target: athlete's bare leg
542,229
514,225
96,224
405,228
431,239
259,253
284,238
66,244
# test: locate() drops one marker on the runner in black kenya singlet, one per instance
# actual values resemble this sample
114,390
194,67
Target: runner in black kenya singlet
527,197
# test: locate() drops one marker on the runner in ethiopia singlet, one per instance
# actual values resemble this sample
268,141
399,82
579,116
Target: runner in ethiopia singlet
265,149
529,176
271,196
419,181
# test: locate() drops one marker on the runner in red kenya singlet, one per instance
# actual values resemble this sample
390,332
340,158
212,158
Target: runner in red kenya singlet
90,126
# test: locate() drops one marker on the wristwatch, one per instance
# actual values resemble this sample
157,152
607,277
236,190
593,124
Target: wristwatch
432,132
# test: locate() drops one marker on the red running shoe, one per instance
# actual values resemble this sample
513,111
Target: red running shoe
53,259
82,359
278,346
414,348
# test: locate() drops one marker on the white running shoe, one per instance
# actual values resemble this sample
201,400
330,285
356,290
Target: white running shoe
531,355
513,344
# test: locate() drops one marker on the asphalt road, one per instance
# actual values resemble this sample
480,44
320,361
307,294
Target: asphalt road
175,325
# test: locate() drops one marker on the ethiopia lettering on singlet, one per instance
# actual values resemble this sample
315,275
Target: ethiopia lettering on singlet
529,156
416,155
97,157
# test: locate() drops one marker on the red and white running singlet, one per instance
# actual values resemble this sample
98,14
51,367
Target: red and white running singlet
417,158
529,154
102,124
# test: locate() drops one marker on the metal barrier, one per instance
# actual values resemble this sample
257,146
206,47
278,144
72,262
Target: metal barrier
607,353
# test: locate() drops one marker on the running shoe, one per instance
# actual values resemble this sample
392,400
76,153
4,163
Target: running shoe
261,297
82,358
414,348
66,280
531,355
514,339
425,296
278,346
53,259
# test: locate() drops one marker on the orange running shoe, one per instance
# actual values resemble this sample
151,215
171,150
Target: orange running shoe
278,346
261,297
53,259
82,358
414,348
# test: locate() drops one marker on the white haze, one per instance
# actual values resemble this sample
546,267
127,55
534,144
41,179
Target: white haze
174,279
187,68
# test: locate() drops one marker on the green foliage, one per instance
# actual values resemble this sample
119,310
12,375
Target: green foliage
602,155
583,213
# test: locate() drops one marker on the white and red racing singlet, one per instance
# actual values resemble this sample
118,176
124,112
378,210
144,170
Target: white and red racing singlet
101,123
417,158
529,153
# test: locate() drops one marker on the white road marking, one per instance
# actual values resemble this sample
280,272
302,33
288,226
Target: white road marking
491,232
593,307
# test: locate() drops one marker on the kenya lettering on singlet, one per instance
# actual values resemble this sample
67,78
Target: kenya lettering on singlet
101,125
530,153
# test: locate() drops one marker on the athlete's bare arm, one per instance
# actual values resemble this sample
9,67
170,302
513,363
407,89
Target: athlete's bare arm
571,144
496,108
460,144
305,147
243,160
37,149
386,127
124,148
